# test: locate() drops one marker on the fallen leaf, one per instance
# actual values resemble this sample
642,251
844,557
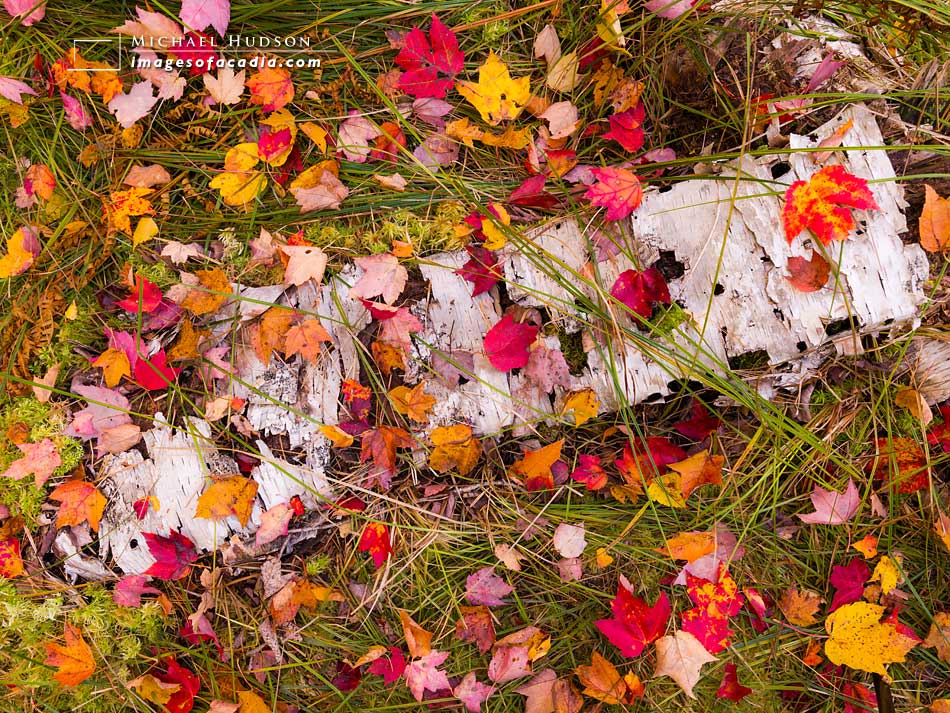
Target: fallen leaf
74,660
375,540
233,495
640,290
626,128
730,687
306,339
800,607
534,469
379,445
476,625
821,204
226,88
681,657
858,639
129,108
616,189
583,404
414,402
430,64
173,555
423,674
11,88
934,224
39,460
939,636
196,15
418,640
114,364
634,624
887,573
22,249
698,470
129,590
848,581
153,690
391,669
271,88
569,540
901,463
603,682
214,292
496,96
833,508
506,344
808,275
589,472
382,276
80,502
690,546
11,563
305,262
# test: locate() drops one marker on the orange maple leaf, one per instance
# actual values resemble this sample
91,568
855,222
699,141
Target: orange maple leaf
821,204
233,495
74,660
270,333
379,445
11,564
271,87
455,447
80,502
306,338
214,291
699,469
535,468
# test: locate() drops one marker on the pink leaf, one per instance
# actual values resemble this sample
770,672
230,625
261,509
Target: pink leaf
486,588
31,10
825,71
472,693
509,663
670,9
227,87
198,14
354,135
328,194
382,275
832,508
38,459
274,522
75,114
437,150
11,88
547,368
423,674
129,108
506,344
107,409
129,590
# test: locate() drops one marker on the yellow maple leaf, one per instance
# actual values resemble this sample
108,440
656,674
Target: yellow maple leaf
214,291
667,490
887,574
239,184
278,121
496,95
151,689
233,495
859,640
583,403
414,403
316,133
114,364
337,436
18,257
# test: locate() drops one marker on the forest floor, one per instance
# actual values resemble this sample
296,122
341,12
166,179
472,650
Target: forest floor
711,549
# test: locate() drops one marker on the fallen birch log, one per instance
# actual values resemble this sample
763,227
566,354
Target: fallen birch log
722,234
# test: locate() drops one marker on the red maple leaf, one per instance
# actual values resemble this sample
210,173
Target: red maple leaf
634,624
375,540
640,290
649,458
145,297
173,555
425,59
730,687
506,344
848,581
939,435
482,269
699,424
626,128
531,194
617,189
821,204
389,668
589,472
182,700
154,373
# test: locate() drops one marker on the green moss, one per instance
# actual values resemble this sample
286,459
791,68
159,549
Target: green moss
125,634
85,329
159,272
41,421
572,346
